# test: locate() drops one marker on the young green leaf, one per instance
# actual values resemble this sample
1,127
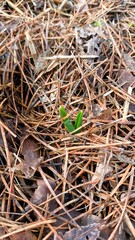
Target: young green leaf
62,112
78,121
67,123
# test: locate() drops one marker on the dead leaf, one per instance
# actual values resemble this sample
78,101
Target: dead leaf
126,79
46,62
121,235
68,4
1,141
82,6
38,4
104,114
124,195
40,194
89,42
65,218
105,233
132,108
88,231
90,220
130,62
31,156
8,26
93,219
101,171
2,232
96,110
127,230
85,233
24,236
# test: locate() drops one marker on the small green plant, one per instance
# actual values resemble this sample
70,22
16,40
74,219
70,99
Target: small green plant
98,23
67,122
131,24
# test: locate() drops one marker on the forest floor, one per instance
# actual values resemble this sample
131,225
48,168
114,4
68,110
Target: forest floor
55,184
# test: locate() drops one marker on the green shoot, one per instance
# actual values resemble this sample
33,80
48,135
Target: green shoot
62,112
67,122
78,121
98,23
68,125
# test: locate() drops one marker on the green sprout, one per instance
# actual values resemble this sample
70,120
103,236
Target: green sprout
67,122
98,23
78,121
131,24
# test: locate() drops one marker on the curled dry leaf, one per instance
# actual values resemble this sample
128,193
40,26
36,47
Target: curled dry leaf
67,4
9,26
89,230
1,141
2,232
40,194
85,233
65,218
126,79
104,114
82,6
130,62
31,156
121,234
89,42
91,220
42,64
101,171
132,108
24,235
38,4
96,110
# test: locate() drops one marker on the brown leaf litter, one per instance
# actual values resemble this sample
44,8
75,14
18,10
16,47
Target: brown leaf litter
31,156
